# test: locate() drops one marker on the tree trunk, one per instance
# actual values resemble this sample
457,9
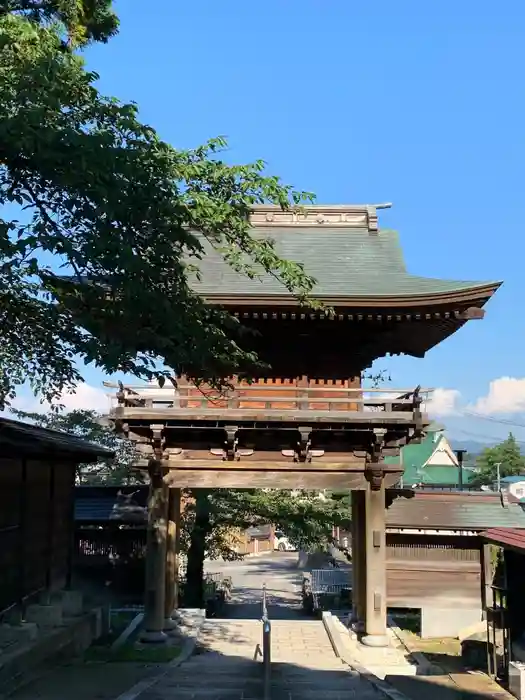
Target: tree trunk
194,589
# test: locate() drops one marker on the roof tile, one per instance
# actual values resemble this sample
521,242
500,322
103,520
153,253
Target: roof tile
454,511
346,262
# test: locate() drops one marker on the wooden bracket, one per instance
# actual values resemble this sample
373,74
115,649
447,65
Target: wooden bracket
302,449
374,473
377,445
230,451
231,442
158,440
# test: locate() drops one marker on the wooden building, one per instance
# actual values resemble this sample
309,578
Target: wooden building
504,602
37,480
434,561
306,422
432,463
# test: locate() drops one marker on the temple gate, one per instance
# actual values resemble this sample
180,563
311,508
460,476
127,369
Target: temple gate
308,423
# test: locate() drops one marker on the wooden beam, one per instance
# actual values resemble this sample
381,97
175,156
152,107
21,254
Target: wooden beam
231,479
225,416
351,465
191,456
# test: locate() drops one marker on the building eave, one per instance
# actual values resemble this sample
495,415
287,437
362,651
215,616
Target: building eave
477,294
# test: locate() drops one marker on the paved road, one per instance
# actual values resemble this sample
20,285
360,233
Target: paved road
283,579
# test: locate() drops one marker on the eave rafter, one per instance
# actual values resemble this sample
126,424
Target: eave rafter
469,314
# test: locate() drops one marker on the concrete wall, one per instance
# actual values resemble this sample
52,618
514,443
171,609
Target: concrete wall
448,622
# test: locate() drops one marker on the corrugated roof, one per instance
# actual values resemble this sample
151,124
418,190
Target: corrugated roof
105,503
506,537
259,531
28,439
454,511
346,262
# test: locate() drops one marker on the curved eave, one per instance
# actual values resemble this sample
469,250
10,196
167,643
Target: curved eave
476,294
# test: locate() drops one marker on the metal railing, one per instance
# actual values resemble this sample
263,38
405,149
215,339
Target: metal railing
266,652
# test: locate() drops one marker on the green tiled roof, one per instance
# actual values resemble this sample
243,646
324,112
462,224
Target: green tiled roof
346,262
415,456
435,474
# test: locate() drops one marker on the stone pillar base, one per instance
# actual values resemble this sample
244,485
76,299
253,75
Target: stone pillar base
375,640
170,624
25,632
72,603
357,626
45,615
153,637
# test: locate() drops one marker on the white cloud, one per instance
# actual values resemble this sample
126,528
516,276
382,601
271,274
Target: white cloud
505,395
85,397
443,402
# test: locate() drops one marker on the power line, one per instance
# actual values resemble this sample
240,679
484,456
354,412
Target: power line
491,419
483,436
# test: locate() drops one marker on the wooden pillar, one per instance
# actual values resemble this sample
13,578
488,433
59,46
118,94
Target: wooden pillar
486,577
154,602
46,595
358,560
375,622
172,557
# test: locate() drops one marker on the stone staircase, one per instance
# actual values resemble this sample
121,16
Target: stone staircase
304,666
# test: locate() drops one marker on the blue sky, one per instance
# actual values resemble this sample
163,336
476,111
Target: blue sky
419,104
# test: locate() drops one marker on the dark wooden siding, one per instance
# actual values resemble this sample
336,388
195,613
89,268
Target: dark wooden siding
10,529
425,568
35,527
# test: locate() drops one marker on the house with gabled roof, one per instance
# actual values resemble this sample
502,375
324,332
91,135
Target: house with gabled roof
432,462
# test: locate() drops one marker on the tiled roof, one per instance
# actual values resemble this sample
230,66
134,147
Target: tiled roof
436,474
101,503
415,456
454,511
506,537
346,262
32,440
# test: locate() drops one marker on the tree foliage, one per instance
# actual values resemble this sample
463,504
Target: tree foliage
509,457
99,214
211,515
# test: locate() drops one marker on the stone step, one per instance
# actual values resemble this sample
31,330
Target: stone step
324,694
255,693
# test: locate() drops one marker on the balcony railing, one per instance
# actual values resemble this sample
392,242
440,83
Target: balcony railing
269,398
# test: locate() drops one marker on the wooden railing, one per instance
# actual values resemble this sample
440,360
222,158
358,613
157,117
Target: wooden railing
271,396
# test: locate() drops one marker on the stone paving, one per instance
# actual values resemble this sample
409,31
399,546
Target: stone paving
304,666
393,660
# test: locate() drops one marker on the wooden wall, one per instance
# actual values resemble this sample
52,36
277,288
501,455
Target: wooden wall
422,569
294,388
36,527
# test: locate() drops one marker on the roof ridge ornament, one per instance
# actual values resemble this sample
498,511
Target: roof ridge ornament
316,215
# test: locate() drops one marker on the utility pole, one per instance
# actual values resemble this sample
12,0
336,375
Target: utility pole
460,454
498,477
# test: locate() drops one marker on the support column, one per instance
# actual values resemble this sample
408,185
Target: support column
154,602
486,577
358,560
375,623
172,558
